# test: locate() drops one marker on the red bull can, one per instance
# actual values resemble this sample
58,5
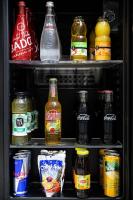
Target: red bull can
20,180
28,153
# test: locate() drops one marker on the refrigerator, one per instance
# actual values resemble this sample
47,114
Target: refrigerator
33,76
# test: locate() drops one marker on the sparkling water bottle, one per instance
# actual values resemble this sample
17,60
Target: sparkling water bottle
50,43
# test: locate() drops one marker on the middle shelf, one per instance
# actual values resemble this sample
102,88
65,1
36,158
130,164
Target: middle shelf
67,143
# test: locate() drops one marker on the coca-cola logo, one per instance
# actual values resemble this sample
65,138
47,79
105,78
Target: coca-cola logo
83,117
110,117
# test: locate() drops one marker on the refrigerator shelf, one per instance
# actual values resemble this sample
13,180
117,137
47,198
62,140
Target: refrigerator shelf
67,64
35,193
67,143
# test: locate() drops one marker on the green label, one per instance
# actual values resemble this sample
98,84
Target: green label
19,124
35,119
78,44
111,166
29,120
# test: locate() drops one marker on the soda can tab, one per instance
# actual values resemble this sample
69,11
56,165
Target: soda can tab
20,180
27,152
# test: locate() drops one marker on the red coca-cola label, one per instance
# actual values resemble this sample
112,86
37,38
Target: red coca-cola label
21,46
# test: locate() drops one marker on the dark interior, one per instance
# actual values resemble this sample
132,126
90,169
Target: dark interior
70,81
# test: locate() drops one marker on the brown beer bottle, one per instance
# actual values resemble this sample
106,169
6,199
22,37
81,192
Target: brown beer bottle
52,115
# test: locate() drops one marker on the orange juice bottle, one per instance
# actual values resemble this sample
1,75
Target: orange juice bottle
102,40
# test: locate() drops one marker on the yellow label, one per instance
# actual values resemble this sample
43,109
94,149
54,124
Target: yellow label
82,182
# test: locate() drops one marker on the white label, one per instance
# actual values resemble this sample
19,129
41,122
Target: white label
83,117
110,117
19,124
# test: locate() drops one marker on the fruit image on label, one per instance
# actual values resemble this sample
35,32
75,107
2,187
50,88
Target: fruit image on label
53,122
79,48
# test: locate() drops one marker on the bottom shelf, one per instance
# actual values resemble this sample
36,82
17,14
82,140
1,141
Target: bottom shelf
35,193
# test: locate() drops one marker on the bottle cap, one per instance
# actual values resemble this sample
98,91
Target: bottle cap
53,80
49,4
83,94
21,3
82,151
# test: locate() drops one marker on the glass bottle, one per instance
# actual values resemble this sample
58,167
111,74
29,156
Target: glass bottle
109,118
21,44
50,47
82,173
53,115
78,39
35,46
83,118
20,106
102,40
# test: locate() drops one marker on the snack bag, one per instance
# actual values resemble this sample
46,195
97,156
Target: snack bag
51,167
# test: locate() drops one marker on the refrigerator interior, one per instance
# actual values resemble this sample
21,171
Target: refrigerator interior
91,76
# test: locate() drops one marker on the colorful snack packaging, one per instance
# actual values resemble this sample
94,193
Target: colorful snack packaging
51,166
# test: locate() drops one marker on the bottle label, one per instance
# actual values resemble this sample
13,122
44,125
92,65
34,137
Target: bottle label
35,119
53,122
29,122
19,124
82,182
110,117
21,46
83,117
79,48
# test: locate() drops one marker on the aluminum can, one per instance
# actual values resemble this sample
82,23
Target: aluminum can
111,174
20,179
28,153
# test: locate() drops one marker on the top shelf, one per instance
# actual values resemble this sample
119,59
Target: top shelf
36,64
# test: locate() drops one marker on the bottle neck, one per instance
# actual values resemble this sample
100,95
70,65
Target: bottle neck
21,10
53,94
50,11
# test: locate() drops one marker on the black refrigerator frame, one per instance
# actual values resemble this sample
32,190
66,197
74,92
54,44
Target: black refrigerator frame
5,100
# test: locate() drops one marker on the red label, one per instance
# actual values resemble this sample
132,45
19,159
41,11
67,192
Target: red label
21,46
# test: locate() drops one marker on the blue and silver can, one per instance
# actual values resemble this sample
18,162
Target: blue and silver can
20,174
28,153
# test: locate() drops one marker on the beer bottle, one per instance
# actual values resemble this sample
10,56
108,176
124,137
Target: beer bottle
78,40
109,118
53,115
82,173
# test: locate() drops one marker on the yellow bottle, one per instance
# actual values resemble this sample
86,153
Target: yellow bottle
102,40
53,115
78,40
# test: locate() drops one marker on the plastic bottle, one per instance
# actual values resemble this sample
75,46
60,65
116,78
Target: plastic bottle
102,40
50,47
78,40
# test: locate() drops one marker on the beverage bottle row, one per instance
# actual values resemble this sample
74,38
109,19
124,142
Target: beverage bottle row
25,117
24,45
52,183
